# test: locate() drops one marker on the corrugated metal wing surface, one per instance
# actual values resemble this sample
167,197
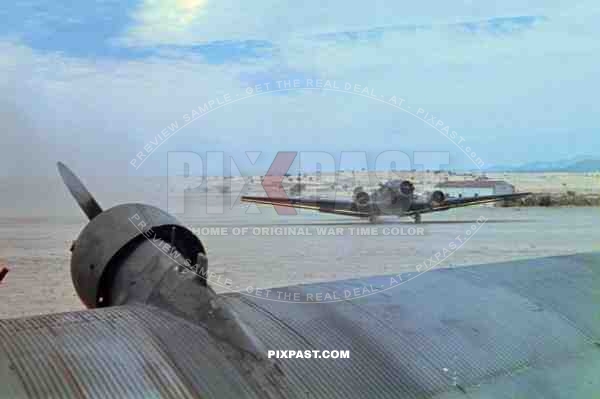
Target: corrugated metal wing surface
528,328
121,352
518,329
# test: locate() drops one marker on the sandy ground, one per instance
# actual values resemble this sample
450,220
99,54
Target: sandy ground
37,249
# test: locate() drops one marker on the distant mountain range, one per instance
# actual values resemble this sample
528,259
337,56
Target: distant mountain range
579,164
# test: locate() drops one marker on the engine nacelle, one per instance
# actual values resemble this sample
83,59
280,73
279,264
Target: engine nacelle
437,196
361,198
139,254
407,188
110,258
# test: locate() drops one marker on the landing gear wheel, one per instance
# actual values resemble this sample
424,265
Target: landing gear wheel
417,218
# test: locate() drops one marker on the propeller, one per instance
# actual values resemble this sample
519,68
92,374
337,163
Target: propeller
86,202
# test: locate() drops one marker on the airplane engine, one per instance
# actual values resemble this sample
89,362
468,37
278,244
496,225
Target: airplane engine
437,196
132,253
361,198
407,188
138,254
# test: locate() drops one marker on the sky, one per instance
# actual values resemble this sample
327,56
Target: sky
92,83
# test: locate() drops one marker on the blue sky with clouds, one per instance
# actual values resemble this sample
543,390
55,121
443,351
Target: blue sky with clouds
91,82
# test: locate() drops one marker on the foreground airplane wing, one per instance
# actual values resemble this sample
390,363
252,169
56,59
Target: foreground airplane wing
516,329
418,208
340,207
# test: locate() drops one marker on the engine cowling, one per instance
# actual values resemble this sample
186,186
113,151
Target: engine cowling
407,188
110,255
437,196
361,198
139,254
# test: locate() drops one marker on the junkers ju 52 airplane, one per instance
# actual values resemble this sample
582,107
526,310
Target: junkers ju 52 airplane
395,197
155,329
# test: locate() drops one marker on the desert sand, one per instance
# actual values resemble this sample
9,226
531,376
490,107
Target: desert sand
37,248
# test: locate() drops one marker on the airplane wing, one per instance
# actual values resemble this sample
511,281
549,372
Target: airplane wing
133,351
347,208
340,207
515,329
427,207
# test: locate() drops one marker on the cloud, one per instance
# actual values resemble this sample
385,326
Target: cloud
501,25
158,22
104,111
493,26
234,51
95,96
164,22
